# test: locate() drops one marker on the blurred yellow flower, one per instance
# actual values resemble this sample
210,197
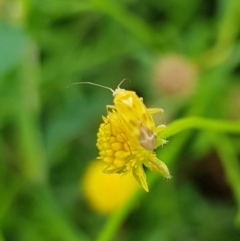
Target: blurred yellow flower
122,153
106,193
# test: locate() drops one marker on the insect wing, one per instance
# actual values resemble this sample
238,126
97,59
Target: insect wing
125,104
136,118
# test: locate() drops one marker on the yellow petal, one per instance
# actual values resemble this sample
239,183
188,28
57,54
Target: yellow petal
140,176
156,165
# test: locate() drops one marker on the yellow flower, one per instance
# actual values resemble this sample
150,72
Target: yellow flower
122,153
106,193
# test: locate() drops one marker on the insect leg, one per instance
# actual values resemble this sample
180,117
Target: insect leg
154,111
156,114
110,107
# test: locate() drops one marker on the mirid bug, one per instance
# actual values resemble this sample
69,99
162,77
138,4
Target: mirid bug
135,116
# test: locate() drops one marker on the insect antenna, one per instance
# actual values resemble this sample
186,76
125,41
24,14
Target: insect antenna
90,83
122,82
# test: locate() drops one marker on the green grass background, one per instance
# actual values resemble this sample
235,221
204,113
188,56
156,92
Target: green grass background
48,131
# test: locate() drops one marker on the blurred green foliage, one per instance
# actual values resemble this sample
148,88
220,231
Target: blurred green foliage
48,131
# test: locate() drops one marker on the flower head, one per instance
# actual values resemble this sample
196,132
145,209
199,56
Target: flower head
122,152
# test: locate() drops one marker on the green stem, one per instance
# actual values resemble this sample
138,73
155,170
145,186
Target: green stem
117,218
228,30
229,24
200,123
